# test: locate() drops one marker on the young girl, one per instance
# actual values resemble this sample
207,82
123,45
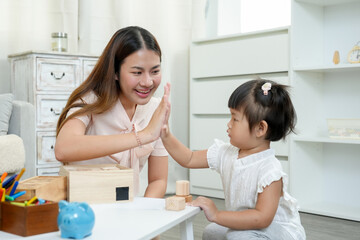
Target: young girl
106,116
258,205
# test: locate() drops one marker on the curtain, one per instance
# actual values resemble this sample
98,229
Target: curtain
171,23
26,25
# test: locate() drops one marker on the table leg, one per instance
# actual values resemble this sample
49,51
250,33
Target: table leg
186,230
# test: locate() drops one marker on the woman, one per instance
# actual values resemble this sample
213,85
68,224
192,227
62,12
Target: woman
105,118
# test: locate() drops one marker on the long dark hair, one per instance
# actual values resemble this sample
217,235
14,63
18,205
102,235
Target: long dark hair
101,80
275,107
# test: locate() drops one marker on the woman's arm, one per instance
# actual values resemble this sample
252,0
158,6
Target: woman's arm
157,176
258,218
73,145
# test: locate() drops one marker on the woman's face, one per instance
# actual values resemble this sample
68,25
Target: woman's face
140,76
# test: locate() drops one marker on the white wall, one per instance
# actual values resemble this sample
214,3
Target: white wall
27,25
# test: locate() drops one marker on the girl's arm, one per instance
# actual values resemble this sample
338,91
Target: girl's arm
157,176
258,218
183,155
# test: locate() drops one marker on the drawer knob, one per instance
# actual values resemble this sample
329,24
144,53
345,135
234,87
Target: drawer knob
56,113
57,77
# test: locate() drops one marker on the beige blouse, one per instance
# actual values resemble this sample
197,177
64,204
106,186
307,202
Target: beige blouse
116,121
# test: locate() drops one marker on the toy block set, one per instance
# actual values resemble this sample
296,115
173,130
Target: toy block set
102,183
31,206
178,202
51,188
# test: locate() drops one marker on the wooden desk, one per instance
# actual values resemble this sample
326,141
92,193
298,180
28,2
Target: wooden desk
144,218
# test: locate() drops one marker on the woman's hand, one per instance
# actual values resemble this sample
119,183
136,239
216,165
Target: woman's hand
159,122
208,206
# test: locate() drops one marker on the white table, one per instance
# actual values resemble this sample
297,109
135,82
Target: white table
144,218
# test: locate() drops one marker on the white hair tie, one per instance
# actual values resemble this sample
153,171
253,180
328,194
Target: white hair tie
266,87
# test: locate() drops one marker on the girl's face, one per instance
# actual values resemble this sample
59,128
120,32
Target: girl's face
140,76
239,132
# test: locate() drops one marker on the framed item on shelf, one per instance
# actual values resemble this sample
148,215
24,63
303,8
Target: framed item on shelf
354,54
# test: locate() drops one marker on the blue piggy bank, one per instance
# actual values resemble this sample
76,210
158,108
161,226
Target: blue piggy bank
75,220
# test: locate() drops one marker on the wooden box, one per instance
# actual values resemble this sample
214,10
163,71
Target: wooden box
29,220
103,183
52,188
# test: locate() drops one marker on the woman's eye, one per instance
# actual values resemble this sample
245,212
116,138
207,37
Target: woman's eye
136,73
156,72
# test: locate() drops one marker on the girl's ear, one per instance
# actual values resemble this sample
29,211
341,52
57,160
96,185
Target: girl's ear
116,77
261,128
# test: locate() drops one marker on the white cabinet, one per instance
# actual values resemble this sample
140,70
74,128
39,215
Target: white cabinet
218,67
46,80
325,172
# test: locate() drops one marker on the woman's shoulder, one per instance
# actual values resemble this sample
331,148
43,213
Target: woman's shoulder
88,98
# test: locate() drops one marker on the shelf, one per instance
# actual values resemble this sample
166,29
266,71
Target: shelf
332,210
240,35
327,2
334,68
325,140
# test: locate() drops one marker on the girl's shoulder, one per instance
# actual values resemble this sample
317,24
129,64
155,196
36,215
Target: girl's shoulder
222,147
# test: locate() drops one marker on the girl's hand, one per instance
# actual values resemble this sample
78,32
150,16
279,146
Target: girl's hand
208,206
159,120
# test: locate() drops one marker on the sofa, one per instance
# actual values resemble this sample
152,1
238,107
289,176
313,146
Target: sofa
17,136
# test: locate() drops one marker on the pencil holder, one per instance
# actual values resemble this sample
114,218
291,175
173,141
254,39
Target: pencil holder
29,220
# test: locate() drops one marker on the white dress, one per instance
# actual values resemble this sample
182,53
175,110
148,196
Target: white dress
243,179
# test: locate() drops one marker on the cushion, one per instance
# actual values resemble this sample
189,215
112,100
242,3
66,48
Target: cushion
6,101
12,154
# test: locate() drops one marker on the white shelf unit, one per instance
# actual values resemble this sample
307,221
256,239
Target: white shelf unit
324,172
46,79
218,67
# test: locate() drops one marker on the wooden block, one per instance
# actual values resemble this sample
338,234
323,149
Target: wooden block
175,203
52,188
182,188
188,198
102,183
29,220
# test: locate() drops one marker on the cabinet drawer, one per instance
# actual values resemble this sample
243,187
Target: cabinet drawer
45,149
88,66
48,171
49,108
57,74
